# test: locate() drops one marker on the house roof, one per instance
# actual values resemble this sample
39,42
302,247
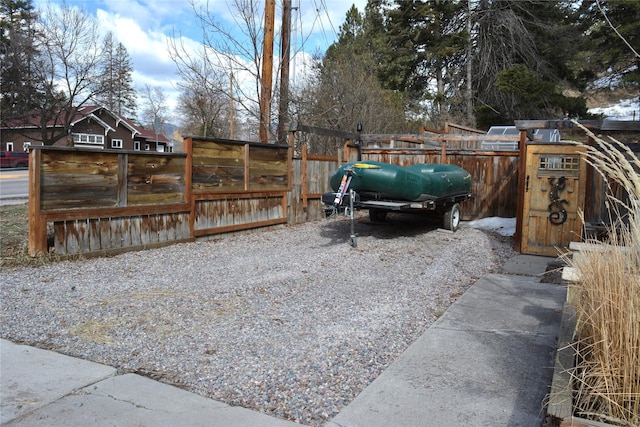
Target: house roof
32,120
149,134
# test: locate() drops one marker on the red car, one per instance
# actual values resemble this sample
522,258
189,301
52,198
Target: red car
14,159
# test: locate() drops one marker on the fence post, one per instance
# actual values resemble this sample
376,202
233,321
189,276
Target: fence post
123,160
443,152
305,184
37,221
522,166
291,140
246,167
188,190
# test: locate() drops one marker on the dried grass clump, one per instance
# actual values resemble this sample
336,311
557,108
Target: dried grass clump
607,298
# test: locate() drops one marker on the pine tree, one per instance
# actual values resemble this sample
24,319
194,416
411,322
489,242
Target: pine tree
523,50
18,48
115,91
613,28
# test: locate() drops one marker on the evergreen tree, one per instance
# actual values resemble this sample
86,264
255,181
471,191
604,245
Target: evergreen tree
426,45
18,48
344,92
613,29
521,61
115,90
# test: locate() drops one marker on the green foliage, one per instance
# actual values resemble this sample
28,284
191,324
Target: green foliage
115,89
611,51
344,92
18,48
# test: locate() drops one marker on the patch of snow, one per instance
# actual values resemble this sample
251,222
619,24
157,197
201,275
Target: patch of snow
611,80
503,226
625,109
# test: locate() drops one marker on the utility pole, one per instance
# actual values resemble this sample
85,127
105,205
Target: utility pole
284,72
267,70
231,107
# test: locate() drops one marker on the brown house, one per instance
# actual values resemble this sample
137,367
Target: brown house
92,127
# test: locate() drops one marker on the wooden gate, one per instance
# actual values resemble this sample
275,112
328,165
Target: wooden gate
554,192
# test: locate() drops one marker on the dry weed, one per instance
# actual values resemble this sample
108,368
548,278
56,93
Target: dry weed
607,299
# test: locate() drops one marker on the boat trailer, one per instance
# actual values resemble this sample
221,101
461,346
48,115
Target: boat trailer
346,201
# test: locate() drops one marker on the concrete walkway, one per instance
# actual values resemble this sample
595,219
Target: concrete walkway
486,362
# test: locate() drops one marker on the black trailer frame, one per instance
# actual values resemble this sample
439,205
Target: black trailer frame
351,201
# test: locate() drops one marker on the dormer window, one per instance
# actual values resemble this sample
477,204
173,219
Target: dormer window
87,138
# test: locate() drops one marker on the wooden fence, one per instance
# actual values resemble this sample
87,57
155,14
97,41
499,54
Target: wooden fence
494,174
236,185
103,202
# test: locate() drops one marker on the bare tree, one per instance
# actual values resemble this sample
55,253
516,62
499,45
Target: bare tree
67,69
64,71
204,110
342,95
154,104
227,51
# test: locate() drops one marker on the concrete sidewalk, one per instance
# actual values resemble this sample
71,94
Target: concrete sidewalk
487,361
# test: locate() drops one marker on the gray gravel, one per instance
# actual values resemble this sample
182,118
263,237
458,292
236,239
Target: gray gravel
293,322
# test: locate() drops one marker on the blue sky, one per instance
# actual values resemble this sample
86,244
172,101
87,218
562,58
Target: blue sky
143,27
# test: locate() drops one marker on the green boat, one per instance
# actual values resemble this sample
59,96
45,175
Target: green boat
383,187
415,183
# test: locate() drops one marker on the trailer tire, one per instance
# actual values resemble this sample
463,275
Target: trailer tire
377,215
452,217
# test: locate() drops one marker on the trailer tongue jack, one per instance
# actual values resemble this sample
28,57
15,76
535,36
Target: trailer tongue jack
337,204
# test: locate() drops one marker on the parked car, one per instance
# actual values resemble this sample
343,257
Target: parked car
14,159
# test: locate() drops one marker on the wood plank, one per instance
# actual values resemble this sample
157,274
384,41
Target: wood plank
561,396
59,238
144,230
162,228
116,232
71,238
126,231
144,199
153,228
114,212
94,235
239,227
135,231
105,234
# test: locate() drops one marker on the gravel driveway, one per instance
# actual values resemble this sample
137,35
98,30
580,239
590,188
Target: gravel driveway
292,322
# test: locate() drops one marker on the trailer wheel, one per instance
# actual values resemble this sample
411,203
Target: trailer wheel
377,215
452,217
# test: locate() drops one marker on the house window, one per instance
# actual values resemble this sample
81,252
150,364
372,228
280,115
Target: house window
9,146
87,138
116,143
26,145
136,145
147,147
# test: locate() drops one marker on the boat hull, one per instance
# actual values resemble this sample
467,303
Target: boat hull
421,182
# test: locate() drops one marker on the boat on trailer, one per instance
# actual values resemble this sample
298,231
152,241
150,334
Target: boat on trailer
383,187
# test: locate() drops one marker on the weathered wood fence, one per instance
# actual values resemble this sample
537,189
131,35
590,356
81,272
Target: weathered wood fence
494,174
103,202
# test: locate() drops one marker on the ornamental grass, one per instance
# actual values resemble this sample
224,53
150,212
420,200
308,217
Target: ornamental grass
606,377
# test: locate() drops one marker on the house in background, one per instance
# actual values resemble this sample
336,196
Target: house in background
92,127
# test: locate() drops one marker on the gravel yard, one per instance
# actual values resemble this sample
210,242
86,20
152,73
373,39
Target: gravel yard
292,321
